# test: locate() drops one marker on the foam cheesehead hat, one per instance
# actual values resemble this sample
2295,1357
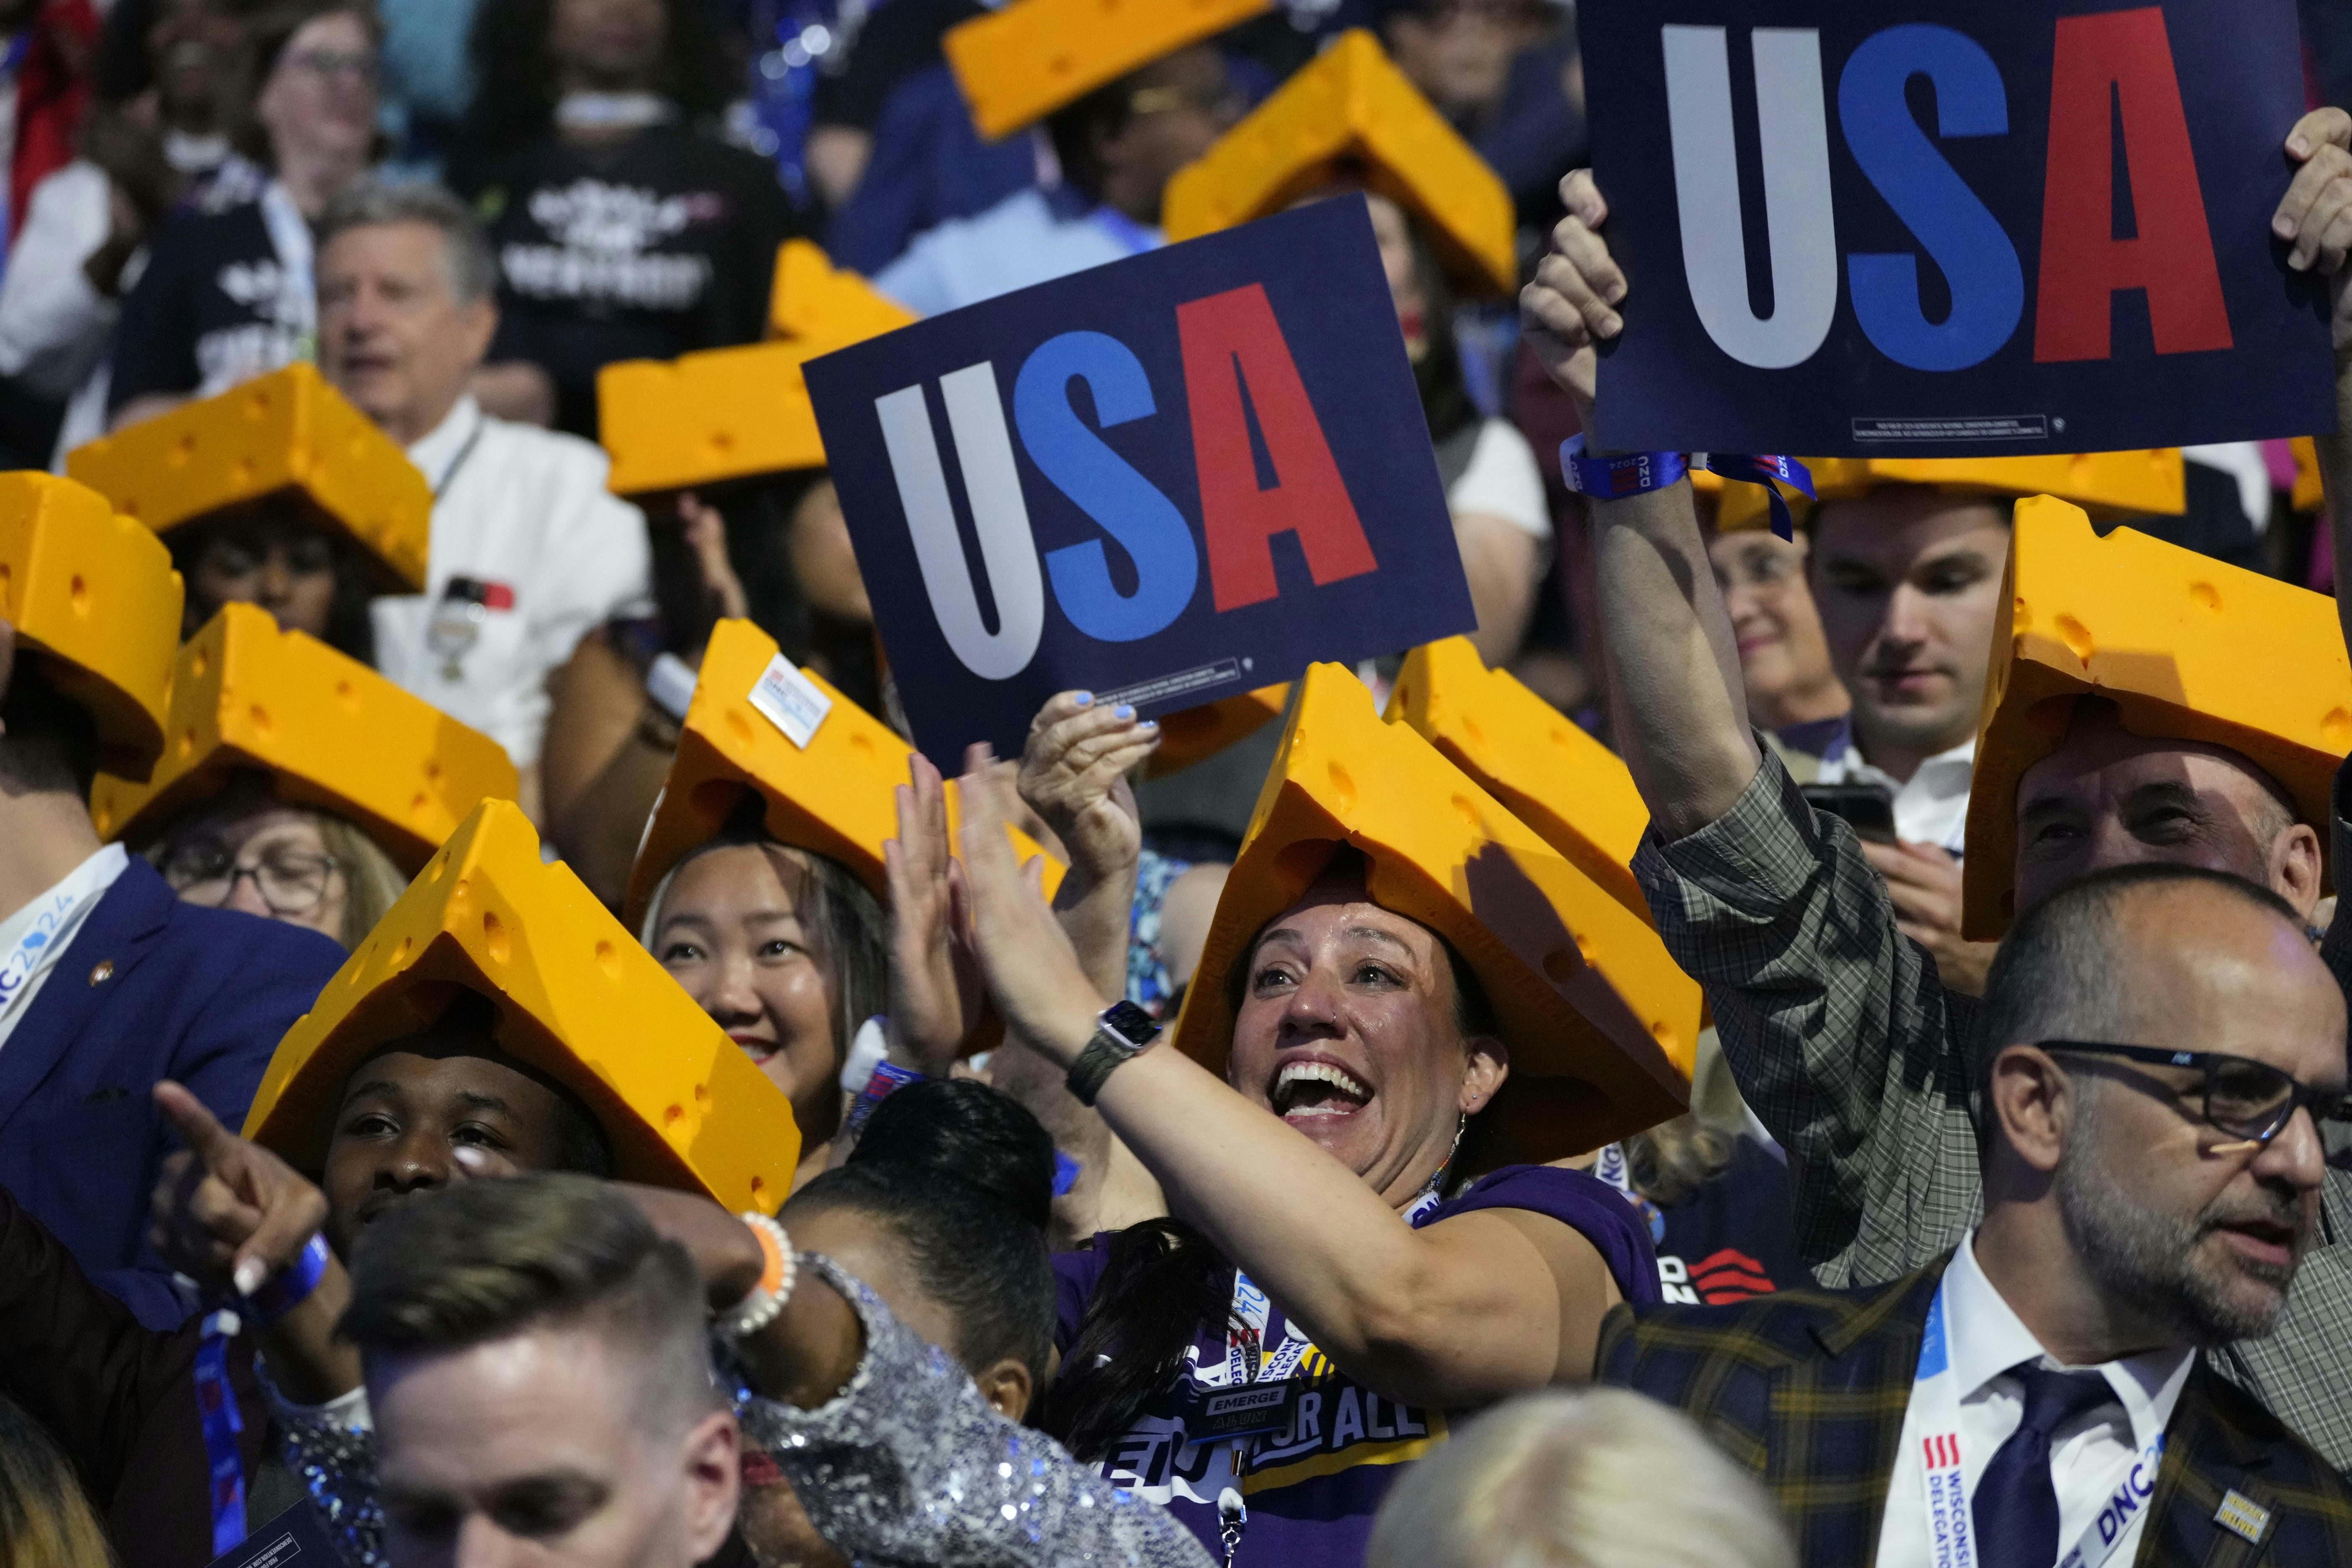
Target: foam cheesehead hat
1191,735
577,999
1601,1024
285,433
94,595
1020,64
1352,107
824,770
2147,483
2187,647
327,731
731,413
1572,790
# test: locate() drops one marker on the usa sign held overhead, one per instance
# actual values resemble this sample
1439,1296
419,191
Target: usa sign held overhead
1167,480
1934,228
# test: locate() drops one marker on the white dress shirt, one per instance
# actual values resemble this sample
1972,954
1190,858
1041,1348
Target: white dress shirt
525,510
2090,1457
1931,806
1022,239
57,915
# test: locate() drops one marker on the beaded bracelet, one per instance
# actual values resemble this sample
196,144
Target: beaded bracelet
764,1302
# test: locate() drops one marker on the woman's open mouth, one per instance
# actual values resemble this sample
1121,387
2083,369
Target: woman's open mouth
1307,1093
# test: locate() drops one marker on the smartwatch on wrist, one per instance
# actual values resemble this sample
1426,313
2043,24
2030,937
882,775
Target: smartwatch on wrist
1121,1034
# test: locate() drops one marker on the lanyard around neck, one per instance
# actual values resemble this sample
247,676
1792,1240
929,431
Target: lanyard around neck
1951,1524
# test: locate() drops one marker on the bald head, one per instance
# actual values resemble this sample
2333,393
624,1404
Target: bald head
2163,1186
2159,954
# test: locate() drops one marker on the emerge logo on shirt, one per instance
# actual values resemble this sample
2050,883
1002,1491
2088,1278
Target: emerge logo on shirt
1724,1275
605,234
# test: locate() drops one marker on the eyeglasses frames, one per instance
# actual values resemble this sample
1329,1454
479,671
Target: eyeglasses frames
2246,1098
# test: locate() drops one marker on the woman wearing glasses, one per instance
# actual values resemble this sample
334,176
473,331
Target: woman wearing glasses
306,788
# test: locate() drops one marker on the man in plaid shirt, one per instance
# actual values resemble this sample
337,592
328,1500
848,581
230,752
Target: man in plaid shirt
1840,1033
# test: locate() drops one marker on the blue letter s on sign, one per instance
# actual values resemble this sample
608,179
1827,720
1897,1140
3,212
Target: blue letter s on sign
1964,239
1106,486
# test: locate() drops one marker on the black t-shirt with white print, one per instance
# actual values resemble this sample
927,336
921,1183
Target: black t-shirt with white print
208,310
645,248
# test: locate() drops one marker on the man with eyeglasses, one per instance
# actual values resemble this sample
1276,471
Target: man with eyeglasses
1841,1030
2161,1046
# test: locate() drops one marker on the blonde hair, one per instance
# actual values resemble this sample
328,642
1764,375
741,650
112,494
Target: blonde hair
371,883
46,1520
1674,1159
1593,1478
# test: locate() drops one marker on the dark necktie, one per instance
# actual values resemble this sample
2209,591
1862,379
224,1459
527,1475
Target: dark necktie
2016,1504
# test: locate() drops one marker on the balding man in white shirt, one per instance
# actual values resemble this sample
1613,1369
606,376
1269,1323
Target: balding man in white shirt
530,552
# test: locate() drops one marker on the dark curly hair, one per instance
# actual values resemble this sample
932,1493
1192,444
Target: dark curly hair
515,86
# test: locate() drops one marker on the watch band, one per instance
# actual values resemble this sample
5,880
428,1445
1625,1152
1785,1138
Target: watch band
1121,1034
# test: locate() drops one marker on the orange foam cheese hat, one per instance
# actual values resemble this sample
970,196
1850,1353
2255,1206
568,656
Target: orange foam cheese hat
1020,64
2149,483
286,432
810,300
1572,789
723,414
1351,110
2187,649
835,796
93,594
327,731
1601,1025
1191,735
577,999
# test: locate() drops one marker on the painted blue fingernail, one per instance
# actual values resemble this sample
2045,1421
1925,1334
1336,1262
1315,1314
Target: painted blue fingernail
1086,699
1122,711
1147,724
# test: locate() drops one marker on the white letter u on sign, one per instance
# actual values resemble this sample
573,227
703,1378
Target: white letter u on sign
1793,134
992,484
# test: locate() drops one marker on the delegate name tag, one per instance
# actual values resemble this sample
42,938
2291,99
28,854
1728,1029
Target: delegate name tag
1243,1412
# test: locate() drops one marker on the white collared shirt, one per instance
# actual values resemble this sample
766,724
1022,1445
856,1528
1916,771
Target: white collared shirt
1932,808
525,510
36,937
2090,1456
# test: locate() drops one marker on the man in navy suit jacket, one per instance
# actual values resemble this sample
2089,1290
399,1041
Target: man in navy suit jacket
108,983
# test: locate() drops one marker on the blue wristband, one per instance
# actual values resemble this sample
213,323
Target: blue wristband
293,1285
888,1079
1638,473
1624,473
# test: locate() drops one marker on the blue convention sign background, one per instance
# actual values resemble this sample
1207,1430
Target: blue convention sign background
1167,480
1949,228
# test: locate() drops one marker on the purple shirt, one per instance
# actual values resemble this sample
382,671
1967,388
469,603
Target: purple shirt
1312,1487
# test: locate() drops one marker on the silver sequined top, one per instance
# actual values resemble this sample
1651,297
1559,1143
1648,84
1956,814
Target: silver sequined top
908,1465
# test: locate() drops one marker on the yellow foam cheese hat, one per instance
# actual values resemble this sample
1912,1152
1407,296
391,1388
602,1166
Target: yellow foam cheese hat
1572,789
835,796
577,999
810,300
1194,734
2110,484
285,431
1352,105
738,413
95,594
1020,64
329,732
1601,1025
2186,647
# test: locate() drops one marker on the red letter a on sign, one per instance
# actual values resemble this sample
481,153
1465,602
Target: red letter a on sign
1231,338
2122,58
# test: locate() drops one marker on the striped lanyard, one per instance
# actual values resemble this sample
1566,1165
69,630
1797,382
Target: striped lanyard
1951,1524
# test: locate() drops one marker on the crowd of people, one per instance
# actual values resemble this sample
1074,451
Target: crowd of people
1824,1049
